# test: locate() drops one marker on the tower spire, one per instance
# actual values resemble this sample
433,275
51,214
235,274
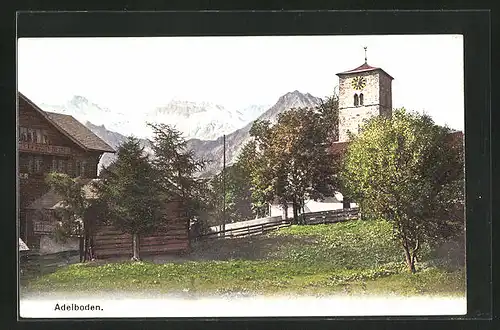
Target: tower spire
366,61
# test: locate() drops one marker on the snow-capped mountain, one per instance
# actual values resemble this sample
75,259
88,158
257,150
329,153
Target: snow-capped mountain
85,110
213,150
203,124
205,121
202,120
253,112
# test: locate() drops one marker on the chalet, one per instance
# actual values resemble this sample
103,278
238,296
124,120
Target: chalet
50,142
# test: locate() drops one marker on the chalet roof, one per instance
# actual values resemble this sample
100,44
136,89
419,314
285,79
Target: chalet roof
456,137
51,200
363,68
73,129
80,132
22,245
338,147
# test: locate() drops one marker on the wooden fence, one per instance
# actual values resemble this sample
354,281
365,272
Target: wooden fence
332,216
32,263
247,230
312,218
246,223
109,242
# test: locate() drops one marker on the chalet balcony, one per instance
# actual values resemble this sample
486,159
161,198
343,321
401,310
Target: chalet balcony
43,227
43,148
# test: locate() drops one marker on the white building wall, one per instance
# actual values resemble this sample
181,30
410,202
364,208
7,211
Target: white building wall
329,204
50,245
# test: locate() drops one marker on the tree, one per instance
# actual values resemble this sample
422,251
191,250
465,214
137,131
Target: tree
291,162
238,202
130,191
250,190
406,170
261,164
176,167
76,210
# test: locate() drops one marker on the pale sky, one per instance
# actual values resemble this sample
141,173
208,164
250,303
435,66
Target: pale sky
139,74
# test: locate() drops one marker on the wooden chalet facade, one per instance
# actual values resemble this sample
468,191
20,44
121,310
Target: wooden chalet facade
51,142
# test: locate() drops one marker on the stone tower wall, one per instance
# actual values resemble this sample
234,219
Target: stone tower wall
385,95
377,100
351,119
370,92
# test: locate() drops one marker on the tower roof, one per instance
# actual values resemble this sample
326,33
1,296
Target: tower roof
363,68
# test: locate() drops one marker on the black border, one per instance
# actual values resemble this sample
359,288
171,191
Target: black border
473,24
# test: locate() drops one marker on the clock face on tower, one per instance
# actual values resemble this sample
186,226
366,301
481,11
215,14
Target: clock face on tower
358,83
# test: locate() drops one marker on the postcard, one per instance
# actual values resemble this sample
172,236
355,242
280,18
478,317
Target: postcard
241,176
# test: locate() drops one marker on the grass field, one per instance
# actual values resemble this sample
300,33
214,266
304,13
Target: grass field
358,257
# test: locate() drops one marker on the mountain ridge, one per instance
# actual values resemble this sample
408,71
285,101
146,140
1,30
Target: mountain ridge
209,148
213,150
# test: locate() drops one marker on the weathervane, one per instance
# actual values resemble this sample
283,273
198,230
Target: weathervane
365,54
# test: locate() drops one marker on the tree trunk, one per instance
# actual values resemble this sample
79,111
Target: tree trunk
81,247
303,215
295,212
135,247
285,210
346,203
87,233
410,259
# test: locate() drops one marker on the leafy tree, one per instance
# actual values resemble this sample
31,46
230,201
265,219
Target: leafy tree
258,160
238,202
246,169
177,166
328,111
130,191
291,162
406,170
77,210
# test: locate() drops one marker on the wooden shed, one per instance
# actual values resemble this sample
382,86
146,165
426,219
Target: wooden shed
172,238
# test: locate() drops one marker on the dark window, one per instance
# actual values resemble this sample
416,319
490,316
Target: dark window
38,134
31,135
45,137
77,168
84,165
356,100
38,164
69,167
54,165
23,134
24,164
60,166
30,164
361,99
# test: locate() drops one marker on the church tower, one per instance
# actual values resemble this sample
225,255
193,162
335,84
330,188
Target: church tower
364,92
